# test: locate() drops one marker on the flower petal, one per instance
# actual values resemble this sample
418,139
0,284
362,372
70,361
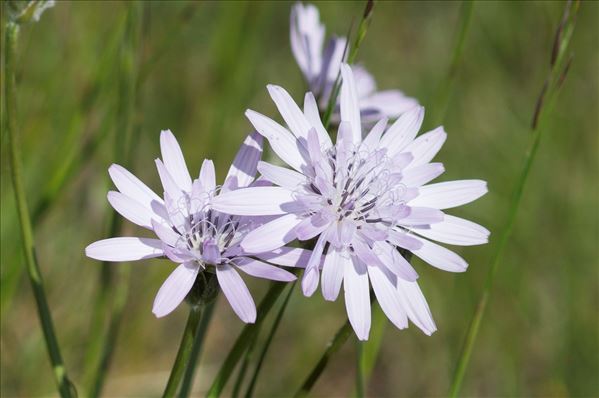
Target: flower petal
208,175
291,113
280,139
313,116
166,234
440,257
124,249
281,176
394,261
425,147
170,186
422,215
445,195
131,209
312,272
455,231
357,297
420,175
349,104
262,270
388,296
332,272
130,185
307,37
373,138
415,305
255,201
174,289
243,170
271,235
174,161
236,293
403,131
389,103
287,256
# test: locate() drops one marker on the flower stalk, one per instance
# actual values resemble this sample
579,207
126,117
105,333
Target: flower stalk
65,387
559,67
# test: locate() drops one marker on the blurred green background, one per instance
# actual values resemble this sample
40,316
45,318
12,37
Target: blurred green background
198,67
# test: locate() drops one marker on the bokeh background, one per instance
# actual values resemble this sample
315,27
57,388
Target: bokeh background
85,76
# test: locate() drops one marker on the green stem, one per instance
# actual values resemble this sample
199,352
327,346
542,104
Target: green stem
360,371
443,94
338,340
548,96
107,303
249,353
65,387
185,350
273,330
242,342
198,342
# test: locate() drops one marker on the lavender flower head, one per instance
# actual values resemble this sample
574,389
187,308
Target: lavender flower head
363,200
190,233
320,67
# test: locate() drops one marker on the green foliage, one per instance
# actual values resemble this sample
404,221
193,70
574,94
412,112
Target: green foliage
201,65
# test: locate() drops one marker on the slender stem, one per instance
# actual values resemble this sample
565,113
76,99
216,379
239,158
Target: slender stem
247,334
185,350
273,330
249,353
107,303
360,371
334,345
545,104
444,91
65,387
198,343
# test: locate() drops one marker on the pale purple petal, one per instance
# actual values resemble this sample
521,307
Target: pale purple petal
422,215
174,161
374,136
311,226
312,272
131,209
336,260
291,113
174,289
262,270
313,116
388,296
404,240
132,186
440,257
170,186
445,195
236,293
271,235
287,256
415,305
210,252
357,298
243,170
255,201
423,174
124,249
402,132
208,175
349,104
281,176
394,261
307,38
455,231
425,147
165,233
389,103
365,84
282,142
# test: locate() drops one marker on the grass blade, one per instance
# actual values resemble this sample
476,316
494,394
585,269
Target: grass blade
65,387
273,330
545,104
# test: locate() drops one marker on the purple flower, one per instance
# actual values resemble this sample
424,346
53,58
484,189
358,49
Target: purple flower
320,67
362,199
190,233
